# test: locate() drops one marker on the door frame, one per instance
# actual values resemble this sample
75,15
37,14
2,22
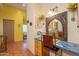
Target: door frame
13,27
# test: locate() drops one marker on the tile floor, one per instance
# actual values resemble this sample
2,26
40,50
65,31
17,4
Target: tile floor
16,49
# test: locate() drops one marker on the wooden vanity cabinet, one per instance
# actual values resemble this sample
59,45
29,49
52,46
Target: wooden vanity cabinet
39,49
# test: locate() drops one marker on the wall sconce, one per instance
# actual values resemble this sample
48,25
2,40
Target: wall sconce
72,7
30,23
27,21
53,11
41,17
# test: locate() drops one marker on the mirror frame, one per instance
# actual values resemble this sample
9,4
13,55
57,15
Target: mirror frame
62,17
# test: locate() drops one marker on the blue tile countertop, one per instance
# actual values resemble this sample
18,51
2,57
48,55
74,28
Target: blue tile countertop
72,47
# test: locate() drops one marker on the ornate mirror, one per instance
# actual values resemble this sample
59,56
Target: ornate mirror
57,24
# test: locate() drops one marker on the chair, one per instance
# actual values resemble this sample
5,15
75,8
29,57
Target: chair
3,43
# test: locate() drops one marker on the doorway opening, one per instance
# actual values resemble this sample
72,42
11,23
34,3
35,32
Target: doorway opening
24,35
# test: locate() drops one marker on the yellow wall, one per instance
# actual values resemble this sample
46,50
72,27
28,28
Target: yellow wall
12,13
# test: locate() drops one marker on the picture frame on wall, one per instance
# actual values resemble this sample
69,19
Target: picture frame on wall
39,21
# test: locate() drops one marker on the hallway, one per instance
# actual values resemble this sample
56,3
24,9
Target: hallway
16,49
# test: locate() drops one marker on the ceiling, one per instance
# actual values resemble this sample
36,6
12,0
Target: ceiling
19,5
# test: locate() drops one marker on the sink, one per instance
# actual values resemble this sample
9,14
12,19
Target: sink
68,45
72,45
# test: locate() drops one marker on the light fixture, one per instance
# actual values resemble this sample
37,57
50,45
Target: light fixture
50,13
41,17
23,4
53,11
72,7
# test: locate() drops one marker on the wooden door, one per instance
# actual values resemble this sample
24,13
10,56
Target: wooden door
8,30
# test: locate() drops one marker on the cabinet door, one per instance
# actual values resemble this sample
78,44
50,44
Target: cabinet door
38,48
47,40
45,51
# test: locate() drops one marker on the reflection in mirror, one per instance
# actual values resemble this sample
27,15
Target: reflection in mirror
55,25
55,28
